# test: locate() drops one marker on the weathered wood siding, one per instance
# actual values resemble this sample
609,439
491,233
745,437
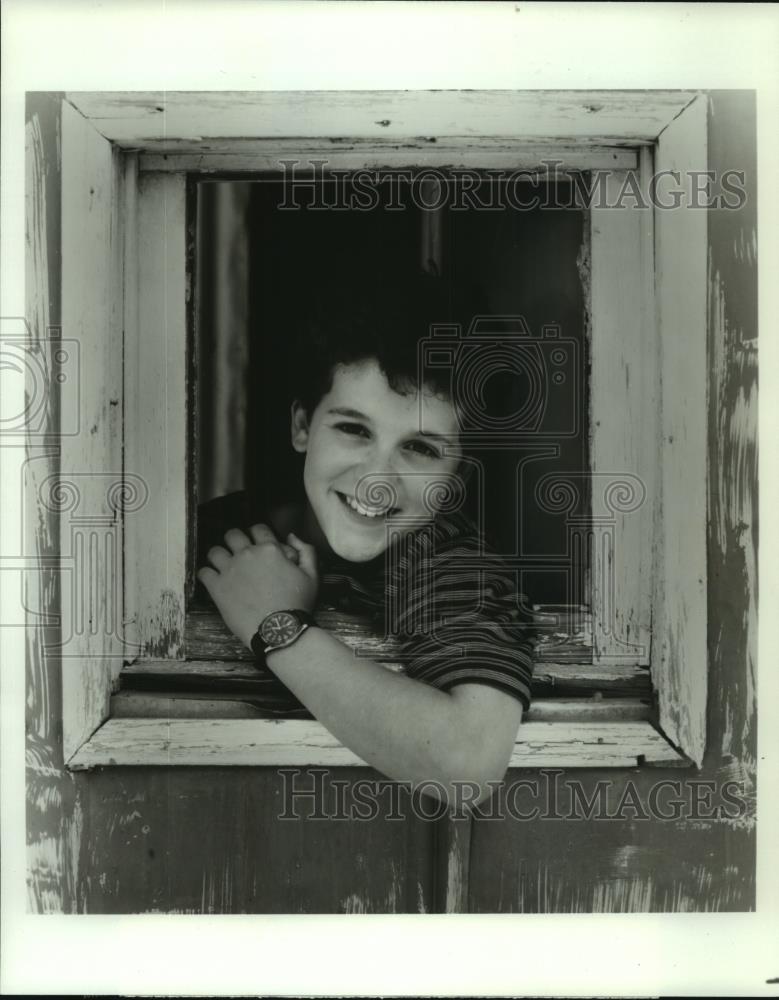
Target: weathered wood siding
54,802
554,866
195,839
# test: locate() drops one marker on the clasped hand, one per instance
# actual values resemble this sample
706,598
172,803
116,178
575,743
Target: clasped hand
253,577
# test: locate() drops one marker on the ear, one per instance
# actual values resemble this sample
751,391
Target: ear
299,426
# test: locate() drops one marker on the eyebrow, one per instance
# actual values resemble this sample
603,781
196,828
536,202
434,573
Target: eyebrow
345,411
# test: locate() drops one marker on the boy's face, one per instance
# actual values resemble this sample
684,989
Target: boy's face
363,428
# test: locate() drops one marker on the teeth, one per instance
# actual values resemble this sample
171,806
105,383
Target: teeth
355,505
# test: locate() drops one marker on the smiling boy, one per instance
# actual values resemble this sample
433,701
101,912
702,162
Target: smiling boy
381,452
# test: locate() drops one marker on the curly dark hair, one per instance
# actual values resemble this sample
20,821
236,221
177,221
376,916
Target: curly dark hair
382,317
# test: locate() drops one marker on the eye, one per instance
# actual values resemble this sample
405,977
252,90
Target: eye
355,430
421,448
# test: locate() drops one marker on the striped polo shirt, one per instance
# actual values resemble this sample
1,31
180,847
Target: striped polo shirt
444,603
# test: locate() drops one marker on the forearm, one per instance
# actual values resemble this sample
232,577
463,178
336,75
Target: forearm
407,730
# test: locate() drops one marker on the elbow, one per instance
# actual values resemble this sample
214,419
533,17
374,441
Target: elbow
480,738
461,794
480,783
468,777
473,752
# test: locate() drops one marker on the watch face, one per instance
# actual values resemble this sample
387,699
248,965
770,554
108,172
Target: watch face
279,628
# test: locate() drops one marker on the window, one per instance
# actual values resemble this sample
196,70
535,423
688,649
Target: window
130,174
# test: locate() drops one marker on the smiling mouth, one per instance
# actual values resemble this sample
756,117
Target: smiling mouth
366,513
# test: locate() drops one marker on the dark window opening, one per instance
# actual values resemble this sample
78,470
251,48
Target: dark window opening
520,264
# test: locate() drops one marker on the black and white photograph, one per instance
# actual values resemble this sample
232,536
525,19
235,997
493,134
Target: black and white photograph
383,463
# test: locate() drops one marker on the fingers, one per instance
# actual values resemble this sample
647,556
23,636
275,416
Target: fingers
237,540
218,557
291,553
207,577
262,533
306,555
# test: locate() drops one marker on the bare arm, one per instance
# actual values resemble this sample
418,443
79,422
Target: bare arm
405,729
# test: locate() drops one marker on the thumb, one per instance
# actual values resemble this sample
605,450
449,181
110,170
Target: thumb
290,553
306,555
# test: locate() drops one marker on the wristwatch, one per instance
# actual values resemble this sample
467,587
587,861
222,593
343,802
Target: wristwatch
280,629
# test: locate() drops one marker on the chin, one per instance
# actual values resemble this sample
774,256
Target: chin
346,535
354,550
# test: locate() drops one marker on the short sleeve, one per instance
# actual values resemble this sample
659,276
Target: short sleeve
464,619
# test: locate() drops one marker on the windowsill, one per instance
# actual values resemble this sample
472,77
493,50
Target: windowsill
204,710
293,742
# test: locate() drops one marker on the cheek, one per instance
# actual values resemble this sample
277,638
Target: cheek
324,462
438,491
312,477
422,492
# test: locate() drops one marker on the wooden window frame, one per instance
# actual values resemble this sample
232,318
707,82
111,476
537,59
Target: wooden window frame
125,158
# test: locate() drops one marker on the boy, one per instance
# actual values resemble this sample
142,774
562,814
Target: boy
379,450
